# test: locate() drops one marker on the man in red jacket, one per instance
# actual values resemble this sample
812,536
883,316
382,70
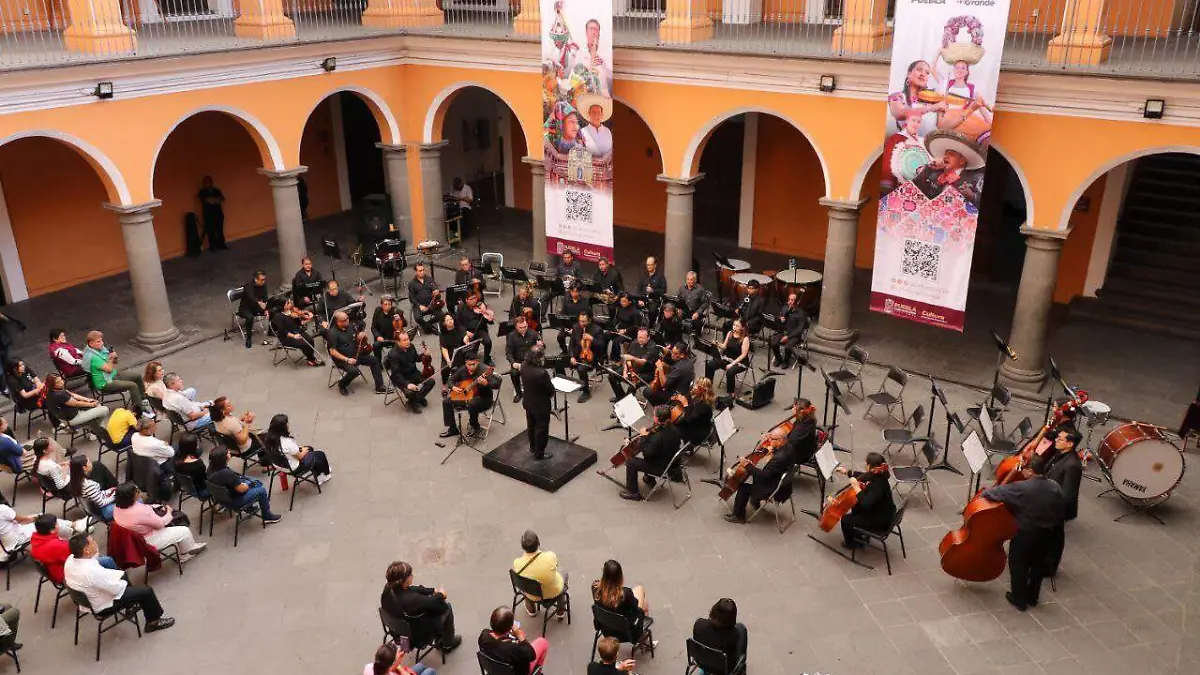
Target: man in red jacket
52,551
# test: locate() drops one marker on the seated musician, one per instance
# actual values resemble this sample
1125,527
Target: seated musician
681,371
794,322
640,357
404,367
608,277
697,421
306,275
875,508
735,356
450,338
253,303
427,309
762,481
347,352
516,348
670,325
402,598
695,301
335,300
288,324
383,324
573,305
1038,505
474,317
583,363
625,320
751,309
527,305
484,383
467,274
652,283
658,449
722,632
567,267
803,436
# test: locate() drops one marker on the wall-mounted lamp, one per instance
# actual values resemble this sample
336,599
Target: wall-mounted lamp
103,91
1154,108
329,64
828,83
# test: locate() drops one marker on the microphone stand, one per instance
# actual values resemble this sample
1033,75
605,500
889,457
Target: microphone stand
802,362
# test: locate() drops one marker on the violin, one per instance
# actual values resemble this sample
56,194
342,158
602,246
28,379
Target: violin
364,345
585,348
398,325
530,318
437,302
485,312
740,471
426,363
659,383
301,315
465,390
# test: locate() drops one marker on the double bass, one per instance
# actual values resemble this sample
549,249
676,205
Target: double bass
740,471
975,551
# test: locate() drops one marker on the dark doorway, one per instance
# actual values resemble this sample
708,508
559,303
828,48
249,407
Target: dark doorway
999,245
719,194
363,164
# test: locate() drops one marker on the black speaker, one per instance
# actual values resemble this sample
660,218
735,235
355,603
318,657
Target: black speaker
762,394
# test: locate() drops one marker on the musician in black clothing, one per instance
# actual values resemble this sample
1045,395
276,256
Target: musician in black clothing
344,350
1038,505
762,482
643,354
697,421
381,324
876,508
625,320
404,367
253,303
680,374
467,274
472,317
695,301
539,393
421,294
735,352
291,334
402,598
451,337
670,325
573,305
567,267
1066,469
486,383
516,348
803,436
751,309
608,277
651,284
335,300
306,275
581,365
521,302
659,447
722,632
793,322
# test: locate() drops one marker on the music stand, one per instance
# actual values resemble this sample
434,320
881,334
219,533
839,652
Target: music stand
330,248
802,362
565,385
461,440
832,393
936,394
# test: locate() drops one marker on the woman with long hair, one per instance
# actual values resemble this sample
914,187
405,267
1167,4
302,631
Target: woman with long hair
152,378
697,420
610,592
722,632
188,463
86,484
46,454
76,411
388,661
24,387
278,441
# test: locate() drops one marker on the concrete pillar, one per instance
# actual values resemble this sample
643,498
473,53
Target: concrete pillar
263,20
864,28
431,189
833,333
155,326
745,237
402,14
395,158
686,21
1082,41
95,27
1116,186
1035,297
677,249
289,226
529,21
538,170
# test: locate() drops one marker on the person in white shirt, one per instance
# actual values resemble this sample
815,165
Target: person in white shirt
178,401
278,441
107,588
16,530
146,444
597,138
47,453
465,197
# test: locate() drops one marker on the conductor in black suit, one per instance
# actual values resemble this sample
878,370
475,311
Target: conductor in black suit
539,392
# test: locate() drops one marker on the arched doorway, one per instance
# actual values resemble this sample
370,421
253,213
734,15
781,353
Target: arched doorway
339,148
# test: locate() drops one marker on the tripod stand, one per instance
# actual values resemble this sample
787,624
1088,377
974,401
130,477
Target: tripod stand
936,395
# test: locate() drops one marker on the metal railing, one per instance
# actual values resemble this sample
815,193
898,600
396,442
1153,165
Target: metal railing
1148,38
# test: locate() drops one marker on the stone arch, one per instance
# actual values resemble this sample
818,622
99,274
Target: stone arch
431,131
389,128
1064,217
268,147
106,169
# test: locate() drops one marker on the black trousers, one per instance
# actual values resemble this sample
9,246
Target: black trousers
443,626
351,372
777,346
248,321
1029,555
581,372
214,229
633,466
538,429
143,596
514,376
418,396
657,398
302,345
746,492
473,408
731,373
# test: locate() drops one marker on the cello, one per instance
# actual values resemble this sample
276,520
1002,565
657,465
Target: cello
975,551
740,471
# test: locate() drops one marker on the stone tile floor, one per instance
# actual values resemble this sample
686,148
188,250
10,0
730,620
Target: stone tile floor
302,596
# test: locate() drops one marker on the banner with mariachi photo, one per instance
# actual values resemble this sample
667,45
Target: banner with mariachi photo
577,142
945,64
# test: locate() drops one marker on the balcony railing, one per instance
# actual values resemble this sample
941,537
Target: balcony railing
1143,38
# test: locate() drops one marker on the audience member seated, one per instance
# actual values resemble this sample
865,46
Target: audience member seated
145,444
243,490
24,386
154,523
101,365
237,428
121,426
49,463
278,441
16,529
49,547
95,483
505,642
722,632
10,619
67,358
72,409
12,453
388,660
607,649
177,401
107,588
188,463
542,567
610,592
400,597
152,380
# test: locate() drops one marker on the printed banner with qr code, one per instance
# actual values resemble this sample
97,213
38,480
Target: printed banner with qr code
945,64
576,138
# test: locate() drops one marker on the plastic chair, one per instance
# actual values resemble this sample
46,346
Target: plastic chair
524,587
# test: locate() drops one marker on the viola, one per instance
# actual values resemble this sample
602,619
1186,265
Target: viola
585,348
426,363
364,344
529,317
398,325
740,471
437,302
465,390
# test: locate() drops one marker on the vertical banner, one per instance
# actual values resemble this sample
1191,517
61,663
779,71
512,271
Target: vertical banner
945,64
577,142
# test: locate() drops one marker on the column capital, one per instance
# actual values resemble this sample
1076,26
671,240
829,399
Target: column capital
680,183
389,148
285,175
432,149
842,204
126,210
533,160
1045,239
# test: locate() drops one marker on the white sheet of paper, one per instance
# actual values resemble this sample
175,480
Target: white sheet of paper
564,385
974,452
629,411
985,423
826,460
725,425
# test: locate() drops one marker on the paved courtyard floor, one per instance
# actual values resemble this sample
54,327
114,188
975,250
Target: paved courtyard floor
302,596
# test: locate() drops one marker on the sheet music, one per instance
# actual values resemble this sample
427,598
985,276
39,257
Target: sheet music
985,423
826,460
974,452
564,385
725,425
628,411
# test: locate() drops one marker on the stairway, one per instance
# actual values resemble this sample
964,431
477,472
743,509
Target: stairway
1153,281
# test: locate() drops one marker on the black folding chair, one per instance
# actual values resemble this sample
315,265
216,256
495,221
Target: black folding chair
13,557
187,491
250,458
906,435
222,497
32,414
782,495
49,492
609,623
524,588
60,591
849,372
277,464
890,397
105,620
711,661
882,537
408,626
490,666
917,475
678,463
107,447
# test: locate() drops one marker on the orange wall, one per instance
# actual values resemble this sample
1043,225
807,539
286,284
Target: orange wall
522,176
43,14
788,184
1077,250
53,193
1122,17
210,144
317,153
639,199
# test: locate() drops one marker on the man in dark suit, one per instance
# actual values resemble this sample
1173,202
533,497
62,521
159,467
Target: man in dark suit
762,482
1066,469
680,375
658,448
792,331
539,393
252,304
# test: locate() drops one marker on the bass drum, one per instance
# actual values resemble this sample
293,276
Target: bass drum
1142,464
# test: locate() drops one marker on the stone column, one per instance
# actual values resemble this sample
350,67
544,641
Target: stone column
263,20
289,226
402,14
1035,297
529,21
431,189
1082,41
677,249
864,28
155,326
686,21
538,198
396,158
95,27
833,333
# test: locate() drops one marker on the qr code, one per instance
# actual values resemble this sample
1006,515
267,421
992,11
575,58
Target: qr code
579,206
921,259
